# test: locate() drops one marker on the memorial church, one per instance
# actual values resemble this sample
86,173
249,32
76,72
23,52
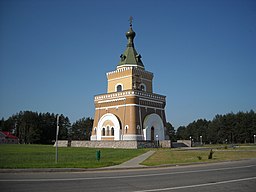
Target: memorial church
130,110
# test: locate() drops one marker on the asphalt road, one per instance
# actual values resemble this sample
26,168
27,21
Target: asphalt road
228,176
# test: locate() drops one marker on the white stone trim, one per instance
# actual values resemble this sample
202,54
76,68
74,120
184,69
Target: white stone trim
112,100
107,136
146,79
128,105
130,65
153,101
130,93
114,120
119,70
145,87
113,95
94,138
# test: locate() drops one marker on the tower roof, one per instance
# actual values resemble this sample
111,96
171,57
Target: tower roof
130,57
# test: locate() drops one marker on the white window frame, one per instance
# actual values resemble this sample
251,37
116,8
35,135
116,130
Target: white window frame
118,85
145,87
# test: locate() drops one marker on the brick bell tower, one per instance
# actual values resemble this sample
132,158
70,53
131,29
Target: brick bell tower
129,110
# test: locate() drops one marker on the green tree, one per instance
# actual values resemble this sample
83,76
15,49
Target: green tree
64,126
81,129
171,131
31,127
182,133
2,124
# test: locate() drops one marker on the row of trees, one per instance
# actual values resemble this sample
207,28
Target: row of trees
32,127
228,128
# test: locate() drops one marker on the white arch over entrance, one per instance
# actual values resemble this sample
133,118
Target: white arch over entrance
155,121
108,117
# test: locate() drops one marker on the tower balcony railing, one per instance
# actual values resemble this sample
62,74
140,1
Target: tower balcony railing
116,95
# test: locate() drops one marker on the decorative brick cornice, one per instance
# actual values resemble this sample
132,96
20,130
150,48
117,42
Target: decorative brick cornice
119,70
135,69
115,95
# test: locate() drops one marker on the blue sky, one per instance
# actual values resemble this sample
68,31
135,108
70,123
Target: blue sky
54,54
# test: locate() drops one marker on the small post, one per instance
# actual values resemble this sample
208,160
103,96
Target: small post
57,133
190,141
201,139
157,141
98,155
254,139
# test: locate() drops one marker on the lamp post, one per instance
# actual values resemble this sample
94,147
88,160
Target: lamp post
157,144
190,141
254,139
201,139
57,133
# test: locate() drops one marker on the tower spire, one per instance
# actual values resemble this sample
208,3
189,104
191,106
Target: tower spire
130,20
130,57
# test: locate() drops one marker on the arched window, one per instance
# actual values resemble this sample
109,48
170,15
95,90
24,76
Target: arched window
103,132
95,131
142,87
119,88
138,129
126,129
112,131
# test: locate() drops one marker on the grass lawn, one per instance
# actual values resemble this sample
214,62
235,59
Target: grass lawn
43,156
170,156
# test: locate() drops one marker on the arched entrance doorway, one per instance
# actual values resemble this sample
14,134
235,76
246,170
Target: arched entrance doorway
108,128
153,127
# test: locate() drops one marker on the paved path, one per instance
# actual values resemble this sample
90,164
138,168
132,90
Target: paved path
135,162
